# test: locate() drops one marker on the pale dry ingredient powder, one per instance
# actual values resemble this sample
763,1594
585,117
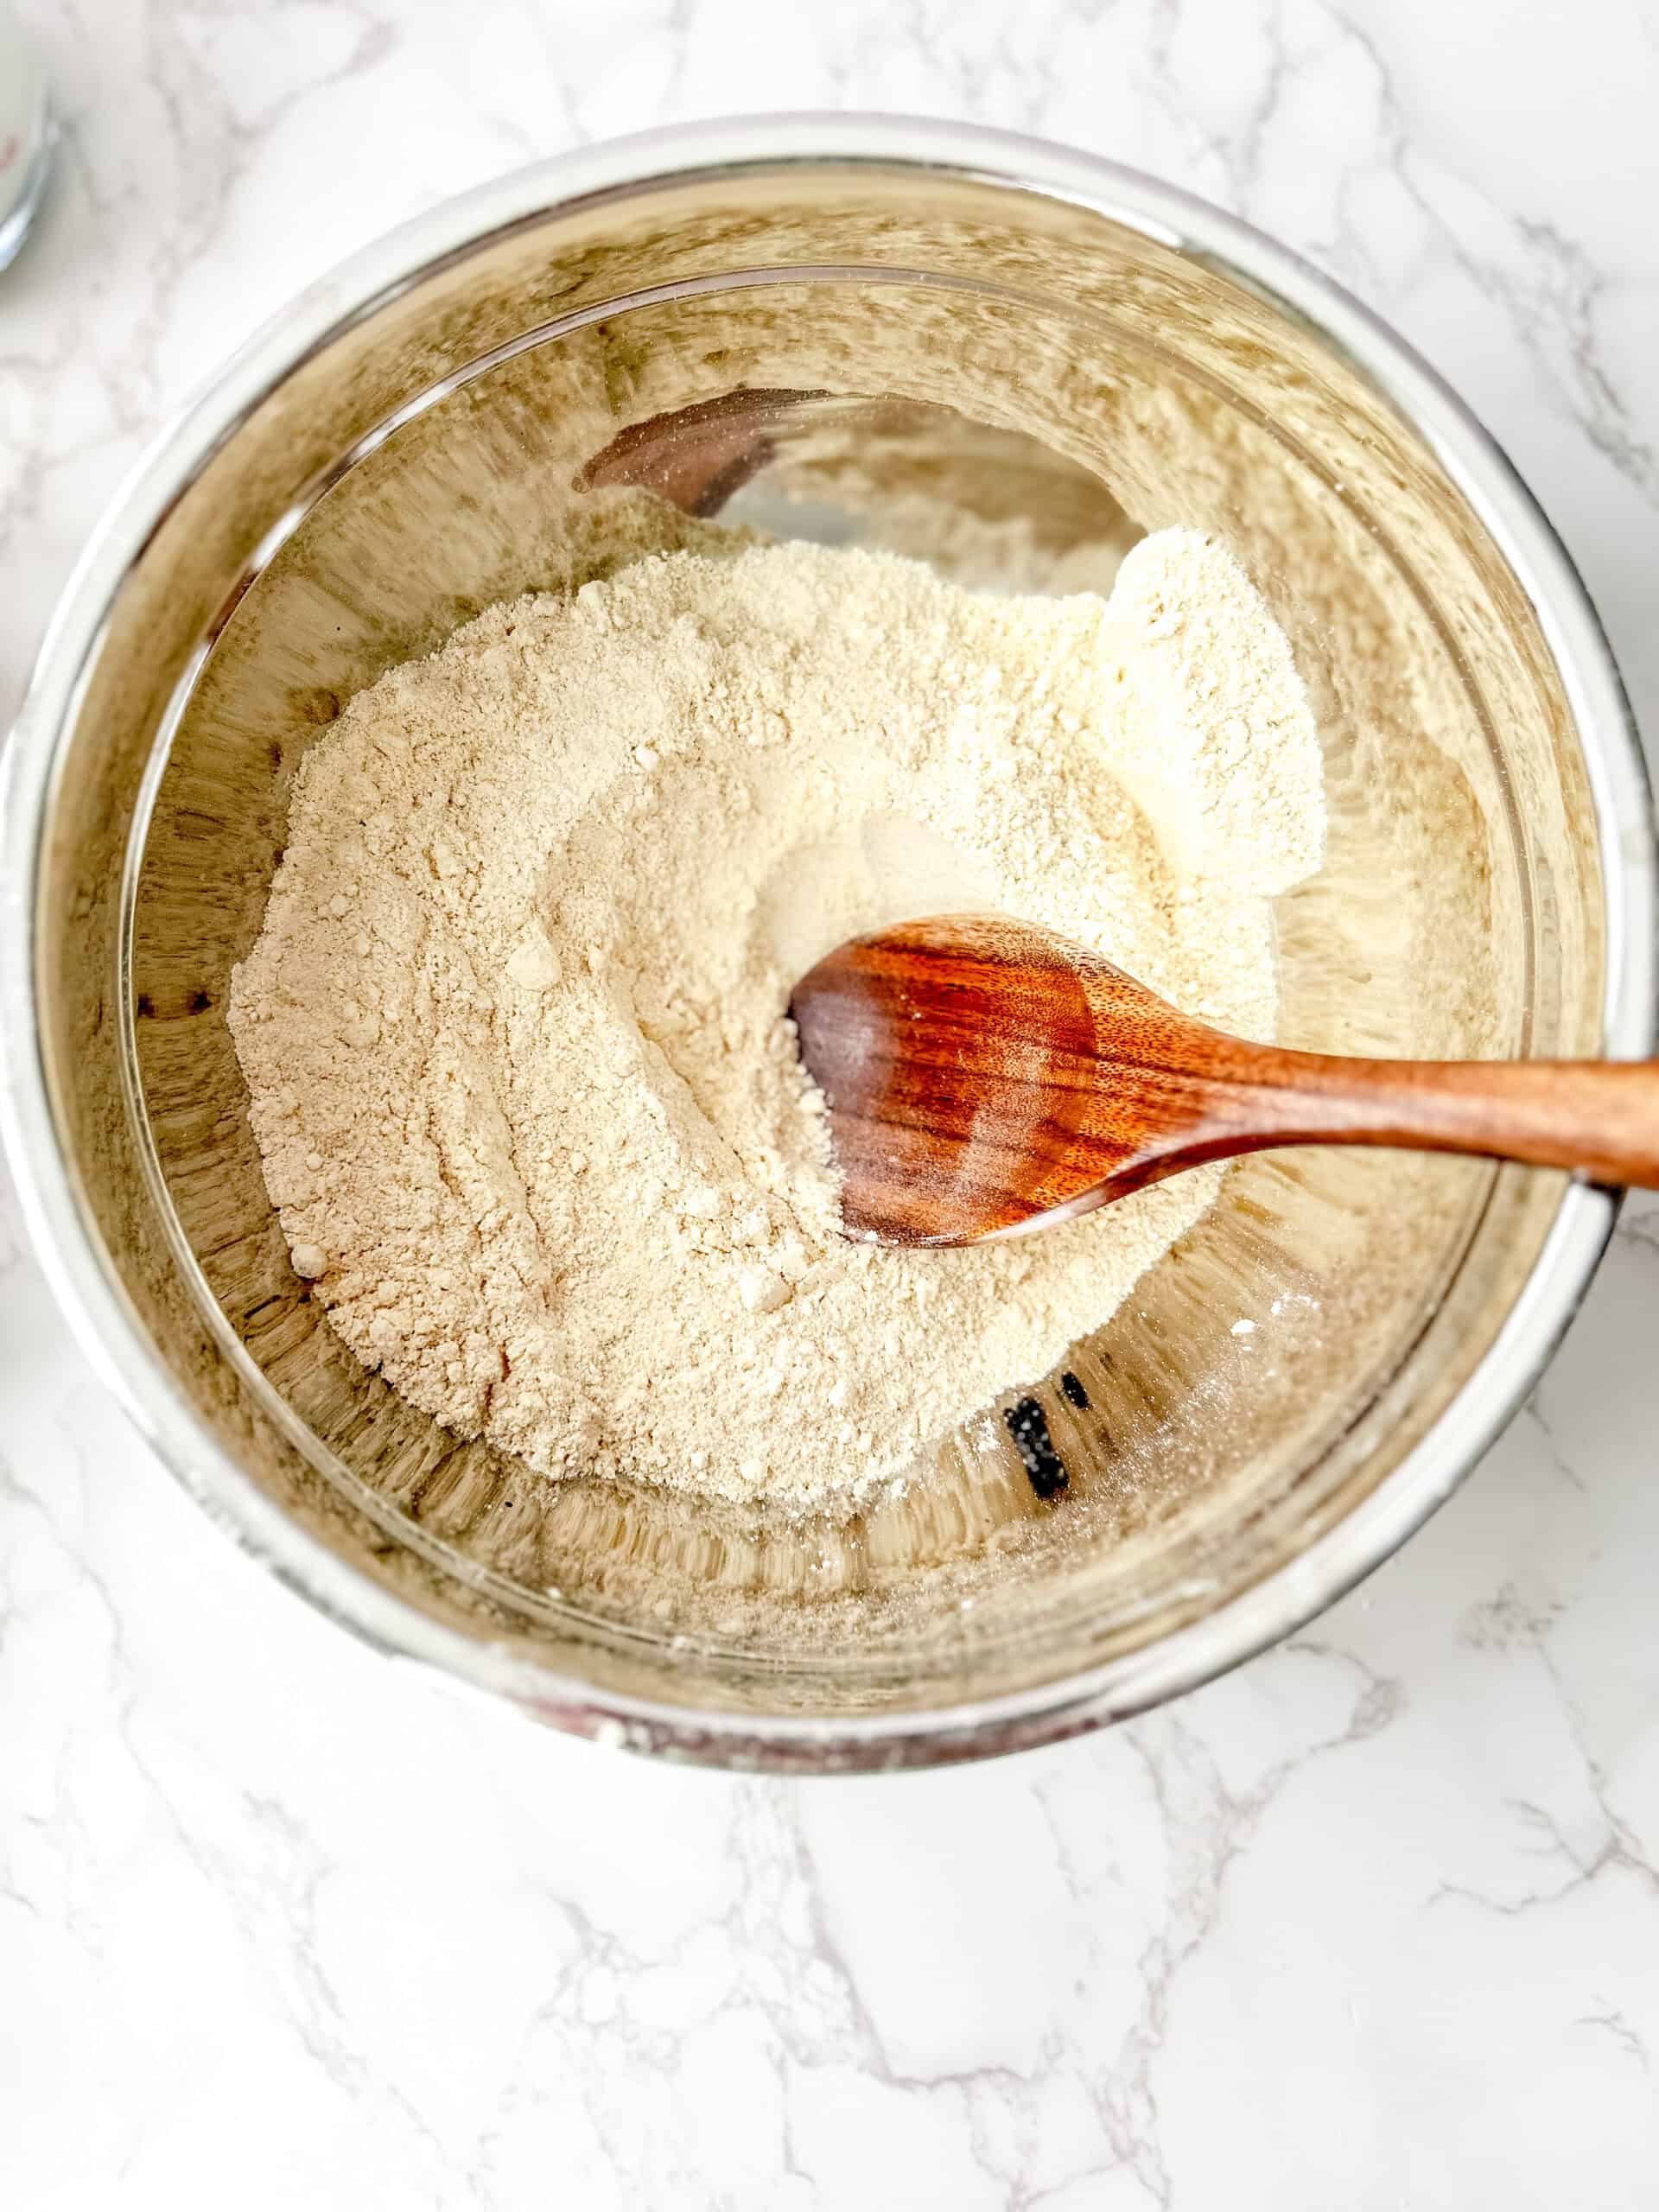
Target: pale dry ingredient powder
514,1030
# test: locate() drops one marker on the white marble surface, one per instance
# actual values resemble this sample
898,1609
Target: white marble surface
1373,1923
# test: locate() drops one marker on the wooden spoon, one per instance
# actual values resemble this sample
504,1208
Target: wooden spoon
985,1076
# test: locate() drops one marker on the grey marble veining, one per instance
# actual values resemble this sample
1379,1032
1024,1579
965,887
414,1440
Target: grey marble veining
1373,1923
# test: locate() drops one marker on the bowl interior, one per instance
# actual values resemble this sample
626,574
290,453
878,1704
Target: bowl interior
1015,388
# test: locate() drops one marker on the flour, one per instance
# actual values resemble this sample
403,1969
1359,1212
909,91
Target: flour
527,1100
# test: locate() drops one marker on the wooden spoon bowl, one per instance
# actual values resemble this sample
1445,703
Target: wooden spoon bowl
985,1076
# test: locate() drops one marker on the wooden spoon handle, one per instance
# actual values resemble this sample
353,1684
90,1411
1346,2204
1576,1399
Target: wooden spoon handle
1599,1118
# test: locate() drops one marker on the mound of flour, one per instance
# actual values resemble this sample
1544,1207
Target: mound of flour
514,1029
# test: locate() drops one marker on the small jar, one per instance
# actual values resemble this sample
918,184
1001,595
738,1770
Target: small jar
25,133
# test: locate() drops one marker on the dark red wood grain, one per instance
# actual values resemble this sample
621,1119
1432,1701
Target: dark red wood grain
984,1075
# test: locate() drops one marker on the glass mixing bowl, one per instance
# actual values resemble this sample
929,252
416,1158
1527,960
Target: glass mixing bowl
1011,360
